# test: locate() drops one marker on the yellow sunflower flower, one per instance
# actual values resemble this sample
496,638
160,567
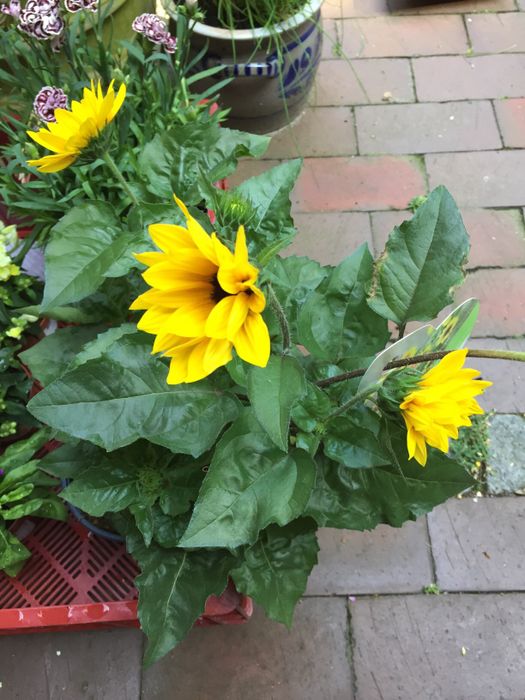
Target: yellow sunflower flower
74,129
441,403
203,301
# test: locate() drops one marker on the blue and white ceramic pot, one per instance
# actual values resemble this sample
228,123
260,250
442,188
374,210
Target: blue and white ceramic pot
272,69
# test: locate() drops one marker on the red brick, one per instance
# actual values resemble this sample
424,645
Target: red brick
343,184
329,237
427,128
363,82
502,297
511,118
443,78
402,36
320,131
506,395
494,33
483,179
497,236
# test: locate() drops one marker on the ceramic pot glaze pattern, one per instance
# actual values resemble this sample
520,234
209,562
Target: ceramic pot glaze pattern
272,70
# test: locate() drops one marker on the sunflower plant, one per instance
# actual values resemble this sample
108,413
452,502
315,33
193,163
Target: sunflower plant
216,399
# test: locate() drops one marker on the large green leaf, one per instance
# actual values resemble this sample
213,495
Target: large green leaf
173,588
293,279
353,439
174,161
249,485
275,569
108,487
268,195
336,321
51,356
273,390
68,461
422,263
360,499
84,245
123,396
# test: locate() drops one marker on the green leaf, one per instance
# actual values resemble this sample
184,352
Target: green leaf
173,588
269,196
21,452
68,461
182,487
104,488
313,409
275,569
273,390
336,321
249,485
173,161
360,499
51,356
18,475
84,245
13,554
123,396
22,510
353,439
293,279
422,263
17,494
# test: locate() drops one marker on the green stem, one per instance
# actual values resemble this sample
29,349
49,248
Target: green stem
351,402
427,357
116,172
283,322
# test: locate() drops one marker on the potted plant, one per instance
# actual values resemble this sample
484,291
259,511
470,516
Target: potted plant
217,403
270,51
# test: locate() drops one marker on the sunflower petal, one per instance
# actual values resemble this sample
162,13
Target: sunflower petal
252,342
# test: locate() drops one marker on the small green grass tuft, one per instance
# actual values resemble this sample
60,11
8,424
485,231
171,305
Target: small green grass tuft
471,449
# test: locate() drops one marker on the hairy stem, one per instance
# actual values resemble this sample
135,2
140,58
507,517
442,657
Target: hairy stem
283,321
116,172
427,357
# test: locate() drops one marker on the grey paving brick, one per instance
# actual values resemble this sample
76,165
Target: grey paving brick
447,647
260,660
102,665
506,395
329,237
496,235
384,36
320,131
482,179
442,78
427,128
506,459
367,81
479,544
496,33
386,560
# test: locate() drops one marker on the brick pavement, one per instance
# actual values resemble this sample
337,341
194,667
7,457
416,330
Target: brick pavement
434,93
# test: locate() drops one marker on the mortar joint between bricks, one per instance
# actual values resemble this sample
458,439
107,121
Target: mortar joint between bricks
350,648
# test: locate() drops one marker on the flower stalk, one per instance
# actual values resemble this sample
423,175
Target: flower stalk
116,172
515,356
281,317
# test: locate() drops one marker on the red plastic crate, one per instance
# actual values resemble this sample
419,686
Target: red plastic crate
76,580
